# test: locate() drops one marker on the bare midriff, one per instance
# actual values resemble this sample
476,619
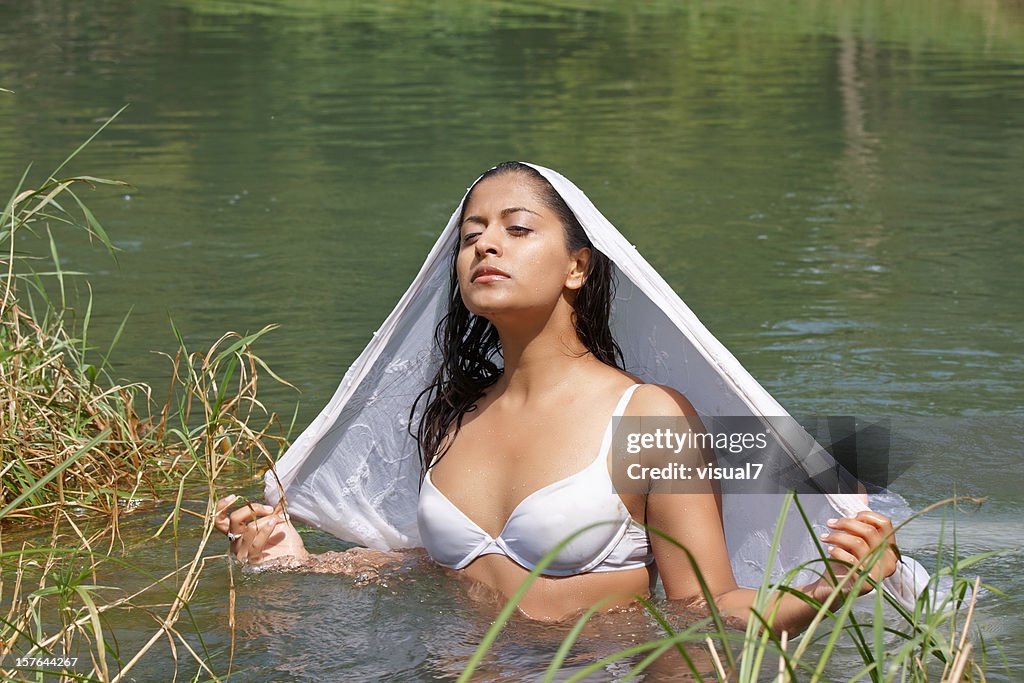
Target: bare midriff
553,598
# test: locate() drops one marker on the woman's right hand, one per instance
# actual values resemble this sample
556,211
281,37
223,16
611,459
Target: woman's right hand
263,532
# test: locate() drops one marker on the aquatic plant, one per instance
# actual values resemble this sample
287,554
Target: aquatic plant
74,442
57,400
930,642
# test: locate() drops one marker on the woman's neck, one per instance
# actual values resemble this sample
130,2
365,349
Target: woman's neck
538,360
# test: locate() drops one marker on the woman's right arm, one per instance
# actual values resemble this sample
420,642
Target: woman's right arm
260,534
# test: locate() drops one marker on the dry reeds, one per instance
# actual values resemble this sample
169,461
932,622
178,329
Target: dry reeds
51,410
72,439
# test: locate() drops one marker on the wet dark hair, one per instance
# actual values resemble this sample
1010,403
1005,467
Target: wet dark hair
469,343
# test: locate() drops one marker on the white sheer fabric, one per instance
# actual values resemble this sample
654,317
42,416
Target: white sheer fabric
355,471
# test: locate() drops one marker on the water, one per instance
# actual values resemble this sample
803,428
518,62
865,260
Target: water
833,190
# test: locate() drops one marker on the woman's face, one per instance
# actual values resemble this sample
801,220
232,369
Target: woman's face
512,254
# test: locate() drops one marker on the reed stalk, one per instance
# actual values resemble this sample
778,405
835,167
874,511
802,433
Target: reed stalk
923,644
78,450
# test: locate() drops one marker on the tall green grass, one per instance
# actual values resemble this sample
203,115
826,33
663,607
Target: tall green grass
73,439
933,641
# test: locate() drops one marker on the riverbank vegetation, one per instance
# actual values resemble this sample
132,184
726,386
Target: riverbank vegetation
80,449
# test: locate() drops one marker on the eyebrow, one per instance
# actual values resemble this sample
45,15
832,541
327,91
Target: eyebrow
504,212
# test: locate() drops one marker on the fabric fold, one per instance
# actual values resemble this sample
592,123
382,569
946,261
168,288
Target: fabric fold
355,471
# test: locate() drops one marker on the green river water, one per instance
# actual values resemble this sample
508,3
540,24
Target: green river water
834,189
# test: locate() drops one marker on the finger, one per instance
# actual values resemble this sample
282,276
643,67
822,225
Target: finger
852,543
248,513
876,519
840,563
220,518
864,555
259,539
842,556
248,532
279,509
883,524
854,526
842,567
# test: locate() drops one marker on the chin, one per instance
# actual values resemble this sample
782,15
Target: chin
490,310
489,313
485,306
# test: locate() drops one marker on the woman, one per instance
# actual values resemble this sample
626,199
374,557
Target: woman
516,454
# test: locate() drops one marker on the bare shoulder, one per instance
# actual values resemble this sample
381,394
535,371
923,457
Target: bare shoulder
660,400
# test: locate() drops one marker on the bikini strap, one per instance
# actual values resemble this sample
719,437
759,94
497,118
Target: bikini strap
624,401
606,442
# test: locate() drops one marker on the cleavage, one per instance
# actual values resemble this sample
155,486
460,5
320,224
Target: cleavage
489,486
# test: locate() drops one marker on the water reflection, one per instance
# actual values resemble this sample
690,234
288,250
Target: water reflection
422,625
829,186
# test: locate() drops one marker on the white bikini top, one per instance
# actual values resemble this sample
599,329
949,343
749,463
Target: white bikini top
542,520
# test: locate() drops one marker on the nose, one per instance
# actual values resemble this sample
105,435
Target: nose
489,241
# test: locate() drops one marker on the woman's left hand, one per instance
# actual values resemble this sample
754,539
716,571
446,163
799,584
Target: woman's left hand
853,541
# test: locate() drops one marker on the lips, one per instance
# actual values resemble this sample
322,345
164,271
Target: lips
488,274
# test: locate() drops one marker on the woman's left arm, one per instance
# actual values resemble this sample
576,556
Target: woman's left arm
694,519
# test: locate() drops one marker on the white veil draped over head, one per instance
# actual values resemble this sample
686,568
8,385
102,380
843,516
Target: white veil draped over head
355,471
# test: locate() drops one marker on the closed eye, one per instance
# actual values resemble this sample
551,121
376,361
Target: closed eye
516,230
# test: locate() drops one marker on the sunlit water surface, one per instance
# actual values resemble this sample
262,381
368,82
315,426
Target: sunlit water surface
834,191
